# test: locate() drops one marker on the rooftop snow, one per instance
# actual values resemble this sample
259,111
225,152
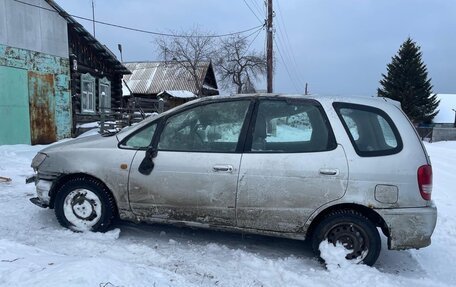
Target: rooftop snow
179,94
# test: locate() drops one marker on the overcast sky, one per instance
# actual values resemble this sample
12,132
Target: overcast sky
337,47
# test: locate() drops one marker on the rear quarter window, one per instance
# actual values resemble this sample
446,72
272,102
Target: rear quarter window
371,130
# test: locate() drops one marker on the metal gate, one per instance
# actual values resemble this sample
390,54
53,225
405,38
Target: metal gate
42,108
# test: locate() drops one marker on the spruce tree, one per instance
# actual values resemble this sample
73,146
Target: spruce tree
407,82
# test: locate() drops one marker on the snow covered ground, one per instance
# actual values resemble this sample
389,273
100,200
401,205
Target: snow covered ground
36,251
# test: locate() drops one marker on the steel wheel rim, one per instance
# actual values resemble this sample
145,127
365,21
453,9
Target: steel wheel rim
82,209
352,237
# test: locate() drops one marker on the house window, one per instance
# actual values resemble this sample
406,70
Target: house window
87,93
104,90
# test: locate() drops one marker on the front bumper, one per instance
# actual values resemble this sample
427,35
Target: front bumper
43,188
37,202
409,228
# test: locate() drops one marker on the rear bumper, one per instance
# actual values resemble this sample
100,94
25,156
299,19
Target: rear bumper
409,228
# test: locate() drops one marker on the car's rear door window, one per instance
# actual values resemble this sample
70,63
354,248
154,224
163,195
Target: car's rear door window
371,130
291,126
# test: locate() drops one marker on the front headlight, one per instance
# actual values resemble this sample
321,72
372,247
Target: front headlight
38,160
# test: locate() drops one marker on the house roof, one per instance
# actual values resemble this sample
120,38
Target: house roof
446,108
148,78
78,28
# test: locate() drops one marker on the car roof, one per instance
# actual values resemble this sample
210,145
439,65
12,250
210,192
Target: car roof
363,100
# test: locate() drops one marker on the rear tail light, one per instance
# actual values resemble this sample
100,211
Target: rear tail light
425,181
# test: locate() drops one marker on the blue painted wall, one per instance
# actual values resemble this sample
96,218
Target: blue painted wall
44,64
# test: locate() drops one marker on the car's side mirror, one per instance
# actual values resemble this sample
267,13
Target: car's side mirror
147,164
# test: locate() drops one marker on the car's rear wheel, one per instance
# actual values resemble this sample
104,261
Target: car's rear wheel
354,231
83,204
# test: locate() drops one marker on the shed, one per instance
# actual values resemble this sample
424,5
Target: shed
443,125
35,102
447,110
42,50
149,80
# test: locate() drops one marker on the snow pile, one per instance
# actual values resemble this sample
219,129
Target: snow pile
334,256
349,272
36,251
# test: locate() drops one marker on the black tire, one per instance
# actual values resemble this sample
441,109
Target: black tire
353,230
84,204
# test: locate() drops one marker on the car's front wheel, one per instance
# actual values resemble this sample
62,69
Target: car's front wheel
83,204
354,231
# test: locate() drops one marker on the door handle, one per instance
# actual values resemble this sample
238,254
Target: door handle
222,168
329,171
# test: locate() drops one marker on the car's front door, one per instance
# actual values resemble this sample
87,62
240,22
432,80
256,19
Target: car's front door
194,178
292,166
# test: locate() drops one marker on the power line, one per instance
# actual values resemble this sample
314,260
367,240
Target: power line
288,40
251,42
259,9
249,35
288,59
253,12
142,30
286,68
288,48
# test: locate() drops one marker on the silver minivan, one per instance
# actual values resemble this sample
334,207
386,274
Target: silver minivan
319,168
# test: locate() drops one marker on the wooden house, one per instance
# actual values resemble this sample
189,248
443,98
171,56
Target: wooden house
95,73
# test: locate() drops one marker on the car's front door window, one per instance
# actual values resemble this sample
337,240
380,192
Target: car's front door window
143,138
213,127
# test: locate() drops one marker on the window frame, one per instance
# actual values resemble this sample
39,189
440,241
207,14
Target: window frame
85,95
379,112
106,83
332,142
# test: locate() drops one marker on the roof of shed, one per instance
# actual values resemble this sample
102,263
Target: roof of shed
155,77
76,26
179,94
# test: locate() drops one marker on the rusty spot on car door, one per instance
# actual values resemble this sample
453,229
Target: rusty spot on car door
42,107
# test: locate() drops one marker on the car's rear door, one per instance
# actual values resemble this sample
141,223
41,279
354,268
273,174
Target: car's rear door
194,178
292,166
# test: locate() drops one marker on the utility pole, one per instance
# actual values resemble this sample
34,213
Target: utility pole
269,54
93,18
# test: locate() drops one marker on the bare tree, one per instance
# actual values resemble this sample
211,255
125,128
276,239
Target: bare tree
189,50
237,66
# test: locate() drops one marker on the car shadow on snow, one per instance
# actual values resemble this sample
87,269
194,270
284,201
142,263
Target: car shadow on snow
398,262
391,262
269,247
